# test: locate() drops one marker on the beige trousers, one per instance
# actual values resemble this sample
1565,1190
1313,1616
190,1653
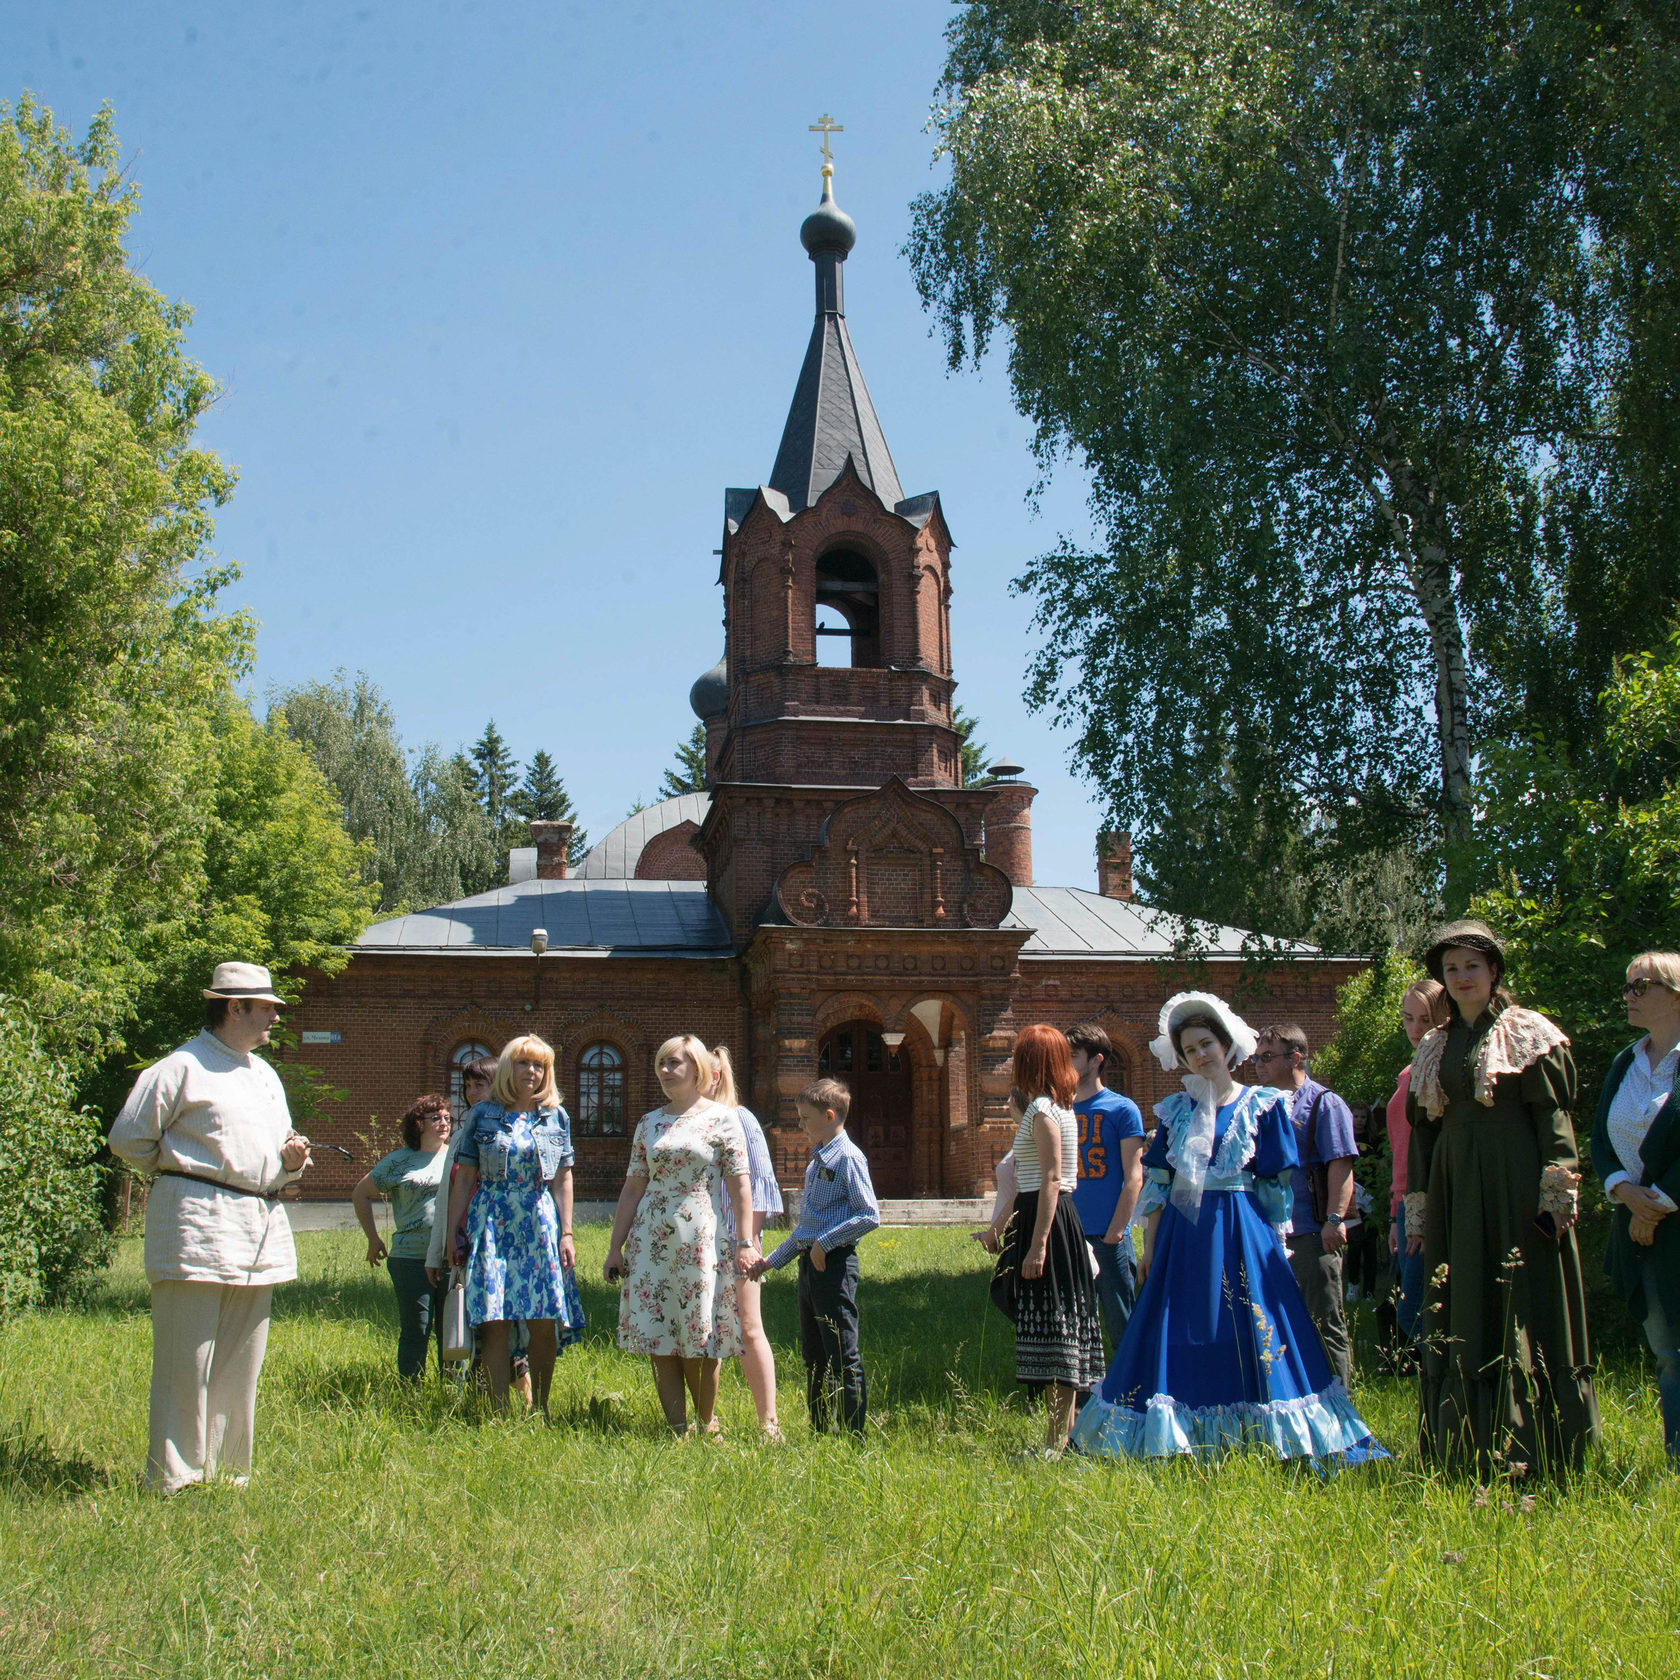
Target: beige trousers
208,1341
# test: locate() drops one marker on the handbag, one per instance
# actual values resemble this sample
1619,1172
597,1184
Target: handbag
457,1333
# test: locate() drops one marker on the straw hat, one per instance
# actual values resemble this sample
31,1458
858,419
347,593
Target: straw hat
242,980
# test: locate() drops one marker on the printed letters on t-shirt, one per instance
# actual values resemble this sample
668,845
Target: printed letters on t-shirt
1093,1152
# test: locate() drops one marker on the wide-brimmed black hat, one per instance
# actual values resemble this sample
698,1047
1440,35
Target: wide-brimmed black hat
1468,934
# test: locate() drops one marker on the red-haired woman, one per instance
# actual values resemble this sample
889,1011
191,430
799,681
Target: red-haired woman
1043,1280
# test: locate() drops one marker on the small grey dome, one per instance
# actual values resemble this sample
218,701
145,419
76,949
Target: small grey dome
828,227
710,694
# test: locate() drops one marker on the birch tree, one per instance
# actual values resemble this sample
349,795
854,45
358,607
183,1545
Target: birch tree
1318,296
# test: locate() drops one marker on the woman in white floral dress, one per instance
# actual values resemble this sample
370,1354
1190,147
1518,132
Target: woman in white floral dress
668,1245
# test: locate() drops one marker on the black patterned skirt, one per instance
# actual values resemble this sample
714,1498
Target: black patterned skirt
1058,1333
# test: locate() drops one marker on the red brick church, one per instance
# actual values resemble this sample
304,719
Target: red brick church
836,901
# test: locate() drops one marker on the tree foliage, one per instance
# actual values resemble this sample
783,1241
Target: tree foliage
465,857
430,839
52,1236
281,882
542,797
1326,299
688,773
1363,1061
974,751
1580,880
496,776
111,654
149,826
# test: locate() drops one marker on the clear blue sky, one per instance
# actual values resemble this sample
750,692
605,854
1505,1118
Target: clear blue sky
503,296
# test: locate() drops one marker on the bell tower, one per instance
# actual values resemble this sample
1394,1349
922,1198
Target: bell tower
837,675
836,586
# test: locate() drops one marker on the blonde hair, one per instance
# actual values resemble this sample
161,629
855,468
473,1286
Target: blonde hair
1662,966
529,1048
1434,996
705,1064
726,1092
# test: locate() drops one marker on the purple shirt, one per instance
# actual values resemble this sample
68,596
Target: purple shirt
1330,1138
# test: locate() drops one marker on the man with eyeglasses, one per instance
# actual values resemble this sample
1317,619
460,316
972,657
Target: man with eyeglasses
1325,1142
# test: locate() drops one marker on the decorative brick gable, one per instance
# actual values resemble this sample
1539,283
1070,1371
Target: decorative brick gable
892,859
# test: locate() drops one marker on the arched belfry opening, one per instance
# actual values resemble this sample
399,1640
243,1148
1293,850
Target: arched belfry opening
848,610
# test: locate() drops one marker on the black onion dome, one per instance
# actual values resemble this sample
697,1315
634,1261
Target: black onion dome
709,696
828,227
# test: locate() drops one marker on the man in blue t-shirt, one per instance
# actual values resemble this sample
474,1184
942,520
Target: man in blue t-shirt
1110,1175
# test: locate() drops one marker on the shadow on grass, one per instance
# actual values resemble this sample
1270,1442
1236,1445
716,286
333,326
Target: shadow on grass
31,1466
919,1329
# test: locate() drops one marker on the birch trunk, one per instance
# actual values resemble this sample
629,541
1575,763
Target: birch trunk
1429,566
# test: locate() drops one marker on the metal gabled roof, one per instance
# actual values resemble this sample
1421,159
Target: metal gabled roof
624,918
1071,922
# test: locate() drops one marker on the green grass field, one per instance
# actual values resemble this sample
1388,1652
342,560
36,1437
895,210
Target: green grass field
395,1532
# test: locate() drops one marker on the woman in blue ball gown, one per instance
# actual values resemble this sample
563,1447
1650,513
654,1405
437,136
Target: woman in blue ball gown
1221,1352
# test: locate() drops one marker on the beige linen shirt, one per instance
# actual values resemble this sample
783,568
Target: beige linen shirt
208,1110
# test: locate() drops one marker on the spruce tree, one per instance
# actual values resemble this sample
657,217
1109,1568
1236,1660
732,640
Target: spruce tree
542,797
974,753
688,773
495,772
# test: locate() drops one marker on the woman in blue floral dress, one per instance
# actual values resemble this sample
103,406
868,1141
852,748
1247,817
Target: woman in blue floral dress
513,1184
1220,1351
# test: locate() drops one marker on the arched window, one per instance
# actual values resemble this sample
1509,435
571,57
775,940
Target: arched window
600,1088
848,608
1117,1072
458,1059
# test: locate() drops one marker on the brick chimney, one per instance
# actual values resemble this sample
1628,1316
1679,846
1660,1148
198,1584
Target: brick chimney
552,840
1114,865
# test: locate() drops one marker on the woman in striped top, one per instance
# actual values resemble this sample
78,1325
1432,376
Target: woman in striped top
1043,1281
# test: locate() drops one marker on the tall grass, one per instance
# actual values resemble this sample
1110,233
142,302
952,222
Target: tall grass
392,1531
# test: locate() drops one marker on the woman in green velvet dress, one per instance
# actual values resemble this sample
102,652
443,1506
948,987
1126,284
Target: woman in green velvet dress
1491,1186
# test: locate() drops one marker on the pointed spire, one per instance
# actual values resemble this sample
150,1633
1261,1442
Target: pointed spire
831,417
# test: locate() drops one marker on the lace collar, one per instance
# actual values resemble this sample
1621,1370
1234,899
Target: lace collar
1517,1039
1236,1148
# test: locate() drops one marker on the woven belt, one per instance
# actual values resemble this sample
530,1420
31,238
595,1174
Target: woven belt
237,1190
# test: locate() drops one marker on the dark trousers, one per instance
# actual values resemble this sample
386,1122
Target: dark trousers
1408,1271
1320,1277
419,1315
828,1339
1116,1285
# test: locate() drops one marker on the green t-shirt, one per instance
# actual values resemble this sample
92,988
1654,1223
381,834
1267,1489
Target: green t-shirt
409,1181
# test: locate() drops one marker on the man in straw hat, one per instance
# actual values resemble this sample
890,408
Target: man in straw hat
210,1120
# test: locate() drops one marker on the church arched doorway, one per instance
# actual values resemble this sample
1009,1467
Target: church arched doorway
881,1120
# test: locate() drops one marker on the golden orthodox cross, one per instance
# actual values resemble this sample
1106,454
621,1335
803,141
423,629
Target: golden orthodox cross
825,128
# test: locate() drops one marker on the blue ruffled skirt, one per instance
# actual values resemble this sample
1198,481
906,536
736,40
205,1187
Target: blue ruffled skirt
1221,1353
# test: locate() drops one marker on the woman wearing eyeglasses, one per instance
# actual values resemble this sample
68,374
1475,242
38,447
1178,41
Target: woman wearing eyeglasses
1636,1151
1490,1204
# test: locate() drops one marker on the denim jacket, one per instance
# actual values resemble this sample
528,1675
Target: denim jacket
490,1137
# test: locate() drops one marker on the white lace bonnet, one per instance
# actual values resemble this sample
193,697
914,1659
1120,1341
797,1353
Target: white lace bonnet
1175,1009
